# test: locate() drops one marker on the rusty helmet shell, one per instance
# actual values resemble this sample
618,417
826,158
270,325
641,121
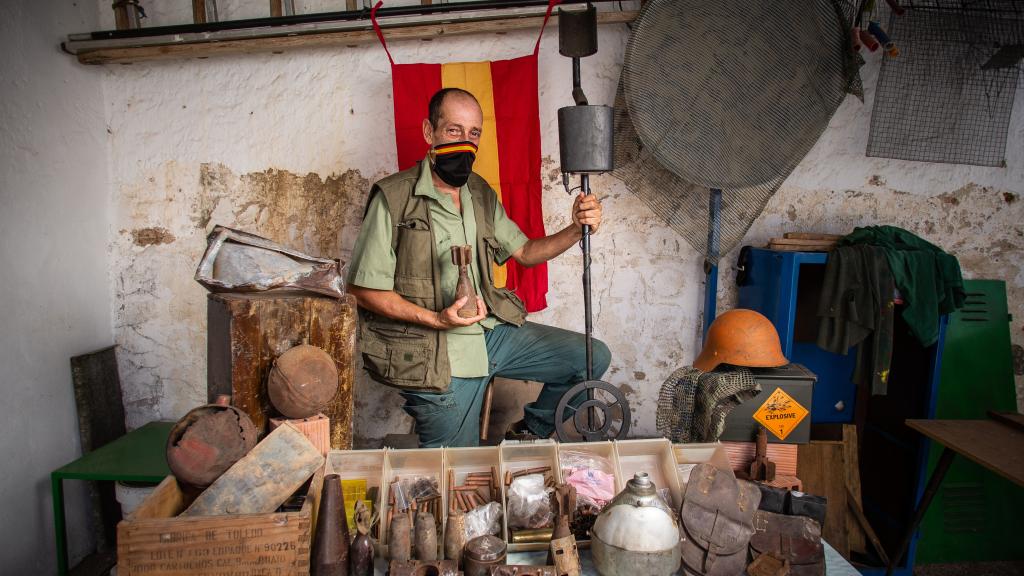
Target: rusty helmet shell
741,337
207,441
302,382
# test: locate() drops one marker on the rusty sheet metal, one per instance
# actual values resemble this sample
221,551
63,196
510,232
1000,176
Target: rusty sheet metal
237,261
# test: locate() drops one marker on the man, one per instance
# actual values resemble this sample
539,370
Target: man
411,334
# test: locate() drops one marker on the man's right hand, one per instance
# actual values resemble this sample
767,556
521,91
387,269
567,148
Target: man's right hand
449,317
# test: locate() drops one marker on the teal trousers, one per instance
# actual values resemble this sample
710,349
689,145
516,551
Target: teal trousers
553,356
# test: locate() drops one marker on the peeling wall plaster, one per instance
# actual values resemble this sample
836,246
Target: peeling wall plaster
286,146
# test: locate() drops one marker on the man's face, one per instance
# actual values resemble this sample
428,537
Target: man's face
461,119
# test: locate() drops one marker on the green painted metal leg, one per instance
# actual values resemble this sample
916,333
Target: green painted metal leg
57,485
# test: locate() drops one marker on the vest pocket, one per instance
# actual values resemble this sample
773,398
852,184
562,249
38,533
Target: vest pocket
414,239
376,358
408,366
495,253
415,288
402,365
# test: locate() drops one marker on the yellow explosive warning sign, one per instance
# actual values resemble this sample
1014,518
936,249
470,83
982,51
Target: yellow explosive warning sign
780,413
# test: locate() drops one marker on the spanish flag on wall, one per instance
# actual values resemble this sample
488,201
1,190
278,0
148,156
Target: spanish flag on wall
509,154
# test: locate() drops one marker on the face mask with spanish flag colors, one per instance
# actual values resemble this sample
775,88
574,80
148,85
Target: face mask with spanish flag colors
453,161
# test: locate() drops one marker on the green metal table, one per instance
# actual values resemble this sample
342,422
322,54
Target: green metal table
138,456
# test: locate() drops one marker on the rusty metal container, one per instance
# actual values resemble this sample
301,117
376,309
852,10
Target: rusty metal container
455,536
424,541
207,441
400,538
481,553
420,568
302,382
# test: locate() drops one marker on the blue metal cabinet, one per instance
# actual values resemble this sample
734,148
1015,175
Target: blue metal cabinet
776,285
785,287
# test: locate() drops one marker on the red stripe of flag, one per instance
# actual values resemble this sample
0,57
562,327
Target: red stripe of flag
413,84
518,124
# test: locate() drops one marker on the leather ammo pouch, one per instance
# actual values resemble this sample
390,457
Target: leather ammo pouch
793,538
717,519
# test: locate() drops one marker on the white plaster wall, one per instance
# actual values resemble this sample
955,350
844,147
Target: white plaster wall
191,143
973,212
54,294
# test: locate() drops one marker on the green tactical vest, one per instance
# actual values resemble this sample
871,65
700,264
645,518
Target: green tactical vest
410,356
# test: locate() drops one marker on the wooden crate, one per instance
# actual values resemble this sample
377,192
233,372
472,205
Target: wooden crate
246,332
154,542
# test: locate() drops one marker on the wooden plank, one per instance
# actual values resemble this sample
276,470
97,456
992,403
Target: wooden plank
166,500
741,454
851,467
800,241
334,329
97,386
261,481
199,11
807,248
820,467
811,236
858,514
996,446
351,38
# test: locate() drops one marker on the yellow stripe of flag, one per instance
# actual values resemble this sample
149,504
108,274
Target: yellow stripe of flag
475,78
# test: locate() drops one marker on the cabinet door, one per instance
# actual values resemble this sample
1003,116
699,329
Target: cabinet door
975,513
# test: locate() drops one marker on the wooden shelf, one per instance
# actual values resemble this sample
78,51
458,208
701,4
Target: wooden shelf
278,39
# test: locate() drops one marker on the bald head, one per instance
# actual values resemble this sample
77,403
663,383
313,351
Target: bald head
454,115
437,101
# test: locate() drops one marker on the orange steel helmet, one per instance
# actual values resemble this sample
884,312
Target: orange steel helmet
742,338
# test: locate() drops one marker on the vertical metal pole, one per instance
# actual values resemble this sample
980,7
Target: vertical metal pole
57,487
711,261
587,309
591,413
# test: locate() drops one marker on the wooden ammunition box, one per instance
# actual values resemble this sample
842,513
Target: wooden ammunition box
154,542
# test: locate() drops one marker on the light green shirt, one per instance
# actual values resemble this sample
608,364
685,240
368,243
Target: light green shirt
373,261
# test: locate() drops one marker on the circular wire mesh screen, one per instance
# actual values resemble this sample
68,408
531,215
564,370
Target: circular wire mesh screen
733,93
729,95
